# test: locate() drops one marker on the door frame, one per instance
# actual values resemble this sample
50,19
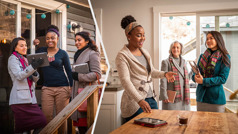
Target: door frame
59,20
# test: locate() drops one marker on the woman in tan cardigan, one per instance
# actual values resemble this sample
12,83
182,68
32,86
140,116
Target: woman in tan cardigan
136,71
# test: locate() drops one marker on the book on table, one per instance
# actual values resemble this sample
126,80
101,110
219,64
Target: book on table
81,68
171,95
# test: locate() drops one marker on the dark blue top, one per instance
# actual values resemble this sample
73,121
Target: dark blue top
211,91
54,75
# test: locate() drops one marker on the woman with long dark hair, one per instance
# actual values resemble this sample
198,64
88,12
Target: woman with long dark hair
27,113
87,53
214,66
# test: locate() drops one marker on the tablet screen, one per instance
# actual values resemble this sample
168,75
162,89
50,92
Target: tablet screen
151,121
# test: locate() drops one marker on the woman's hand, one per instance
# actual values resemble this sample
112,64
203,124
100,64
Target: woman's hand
36,42
145,106
166,101
75,76
170,76
198,78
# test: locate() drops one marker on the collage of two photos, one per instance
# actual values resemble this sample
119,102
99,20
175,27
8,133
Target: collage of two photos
53,67
100,66
144,42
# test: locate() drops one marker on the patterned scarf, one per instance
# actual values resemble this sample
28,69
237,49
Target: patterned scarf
24,65
177,86
208,62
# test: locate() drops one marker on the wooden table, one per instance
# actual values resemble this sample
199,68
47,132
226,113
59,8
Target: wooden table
199,122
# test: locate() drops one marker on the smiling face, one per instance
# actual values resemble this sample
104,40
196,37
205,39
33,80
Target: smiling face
21,47
51,39
176,50
80,42
211,42
136,37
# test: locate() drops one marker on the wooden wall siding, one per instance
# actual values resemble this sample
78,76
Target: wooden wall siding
80,12
83,17
80,18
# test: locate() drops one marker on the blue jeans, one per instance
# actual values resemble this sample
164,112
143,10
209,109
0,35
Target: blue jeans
152,103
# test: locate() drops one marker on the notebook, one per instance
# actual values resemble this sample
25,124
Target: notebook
171,95
81,68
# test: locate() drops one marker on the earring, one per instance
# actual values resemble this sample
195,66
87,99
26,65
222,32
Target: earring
128,39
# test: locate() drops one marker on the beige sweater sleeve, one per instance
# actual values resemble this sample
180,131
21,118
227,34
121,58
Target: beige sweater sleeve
156,73
124,75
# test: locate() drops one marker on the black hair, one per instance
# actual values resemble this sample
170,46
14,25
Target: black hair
221,46
53,28
127,20
86,37
14,43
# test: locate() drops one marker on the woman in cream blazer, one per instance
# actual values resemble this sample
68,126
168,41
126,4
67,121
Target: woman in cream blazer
136,71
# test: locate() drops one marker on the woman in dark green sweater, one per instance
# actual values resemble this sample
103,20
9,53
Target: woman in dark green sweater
214,66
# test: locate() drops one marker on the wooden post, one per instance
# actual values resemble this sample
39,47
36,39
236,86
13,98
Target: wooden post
92,108
59,119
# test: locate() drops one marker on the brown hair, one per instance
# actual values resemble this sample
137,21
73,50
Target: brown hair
14,43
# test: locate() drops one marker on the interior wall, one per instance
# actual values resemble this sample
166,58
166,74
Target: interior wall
113,35
112,12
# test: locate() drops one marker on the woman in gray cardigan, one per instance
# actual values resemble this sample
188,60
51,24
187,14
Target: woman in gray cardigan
176,64
27,114
87,53
136,71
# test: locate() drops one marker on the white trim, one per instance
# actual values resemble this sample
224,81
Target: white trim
201,9
196,7
18,20
156,47
98,15
198,37
42,4
33,30
78,3
63,27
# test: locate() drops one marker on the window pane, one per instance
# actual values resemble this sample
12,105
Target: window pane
229,31
182,29
26,27
207,24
